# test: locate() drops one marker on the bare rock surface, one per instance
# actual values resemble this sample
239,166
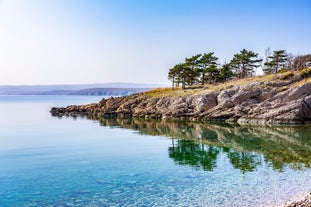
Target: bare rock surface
249,103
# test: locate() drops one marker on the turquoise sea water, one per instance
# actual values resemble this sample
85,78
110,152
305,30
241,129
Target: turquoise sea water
51,161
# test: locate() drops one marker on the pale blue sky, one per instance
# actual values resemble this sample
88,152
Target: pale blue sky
89,41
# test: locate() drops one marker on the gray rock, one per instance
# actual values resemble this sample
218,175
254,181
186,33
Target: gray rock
244,104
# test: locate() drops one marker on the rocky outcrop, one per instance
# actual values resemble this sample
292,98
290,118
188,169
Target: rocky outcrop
250,103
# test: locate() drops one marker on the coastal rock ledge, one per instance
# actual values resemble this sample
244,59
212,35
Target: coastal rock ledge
250,103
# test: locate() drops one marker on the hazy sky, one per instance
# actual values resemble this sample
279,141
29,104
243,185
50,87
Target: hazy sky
89,41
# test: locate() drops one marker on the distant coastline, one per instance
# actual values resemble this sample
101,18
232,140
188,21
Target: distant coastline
84,92
107,89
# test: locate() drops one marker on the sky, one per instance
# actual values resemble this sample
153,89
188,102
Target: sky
99,41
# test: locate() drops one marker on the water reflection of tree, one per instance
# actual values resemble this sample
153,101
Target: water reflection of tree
245,146
245,161
203,156
199,156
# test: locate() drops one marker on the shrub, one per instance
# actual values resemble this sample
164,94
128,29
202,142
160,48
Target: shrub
305,73
287,76
283,70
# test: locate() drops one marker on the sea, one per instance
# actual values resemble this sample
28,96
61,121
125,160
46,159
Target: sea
55,161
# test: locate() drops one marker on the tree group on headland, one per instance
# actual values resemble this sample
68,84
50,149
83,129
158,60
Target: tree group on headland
235,97
205,68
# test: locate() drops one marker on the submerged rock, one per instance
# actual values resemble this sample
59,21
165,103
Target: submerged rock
304,202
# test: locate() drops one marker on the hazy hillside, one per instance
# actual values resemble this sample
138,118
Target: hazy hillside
96,92
83,89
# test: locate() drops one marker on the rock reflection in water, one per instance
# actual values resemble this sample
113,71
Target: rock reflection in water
200,144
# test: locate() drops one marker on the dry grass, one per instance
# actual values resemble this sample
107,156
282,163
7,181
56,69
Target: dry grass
244,81
199,89
303,81
159,92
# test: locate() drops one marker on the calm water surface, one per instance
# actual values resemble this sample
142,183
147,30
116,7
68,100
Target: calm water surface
51,161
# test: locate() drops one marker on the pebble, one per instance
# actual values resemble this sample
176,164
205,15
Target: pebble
305,202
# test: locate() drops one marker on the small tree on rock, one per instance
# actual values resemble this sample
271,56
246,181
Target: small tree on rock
207,64
276,62
244,63
180,73
225,72
193,71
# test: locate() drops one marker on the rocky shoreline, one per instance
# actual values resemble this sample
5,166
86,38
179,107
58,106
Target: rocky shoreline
252,103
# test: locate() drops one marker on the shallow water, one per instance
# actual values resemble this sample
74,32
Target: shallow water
51,161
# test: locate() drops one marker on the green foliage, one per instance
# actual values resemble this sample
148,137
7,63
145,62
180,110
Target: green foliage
276,62
180,73
244,63
287,76
196,69
200,145
306,73
245,161
208,67
199,156
204,68
225,72
282,70
213,72
201,68
193,61
191,68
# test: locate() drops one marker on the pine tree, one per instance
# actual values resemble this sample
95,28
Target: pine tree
173,75
193,71
244,63
207,63
276,62
225,72
181,73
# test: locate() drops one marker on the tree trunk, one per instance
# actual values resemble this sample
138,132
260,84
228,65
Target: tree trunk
183,84
203,77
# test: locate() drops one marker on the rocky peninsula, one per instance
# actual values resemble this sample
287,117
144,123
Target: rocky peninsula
283,98
275,99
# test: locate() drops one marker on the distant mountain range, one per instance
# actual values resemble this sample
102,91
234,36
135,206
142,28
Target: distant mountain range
105,89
